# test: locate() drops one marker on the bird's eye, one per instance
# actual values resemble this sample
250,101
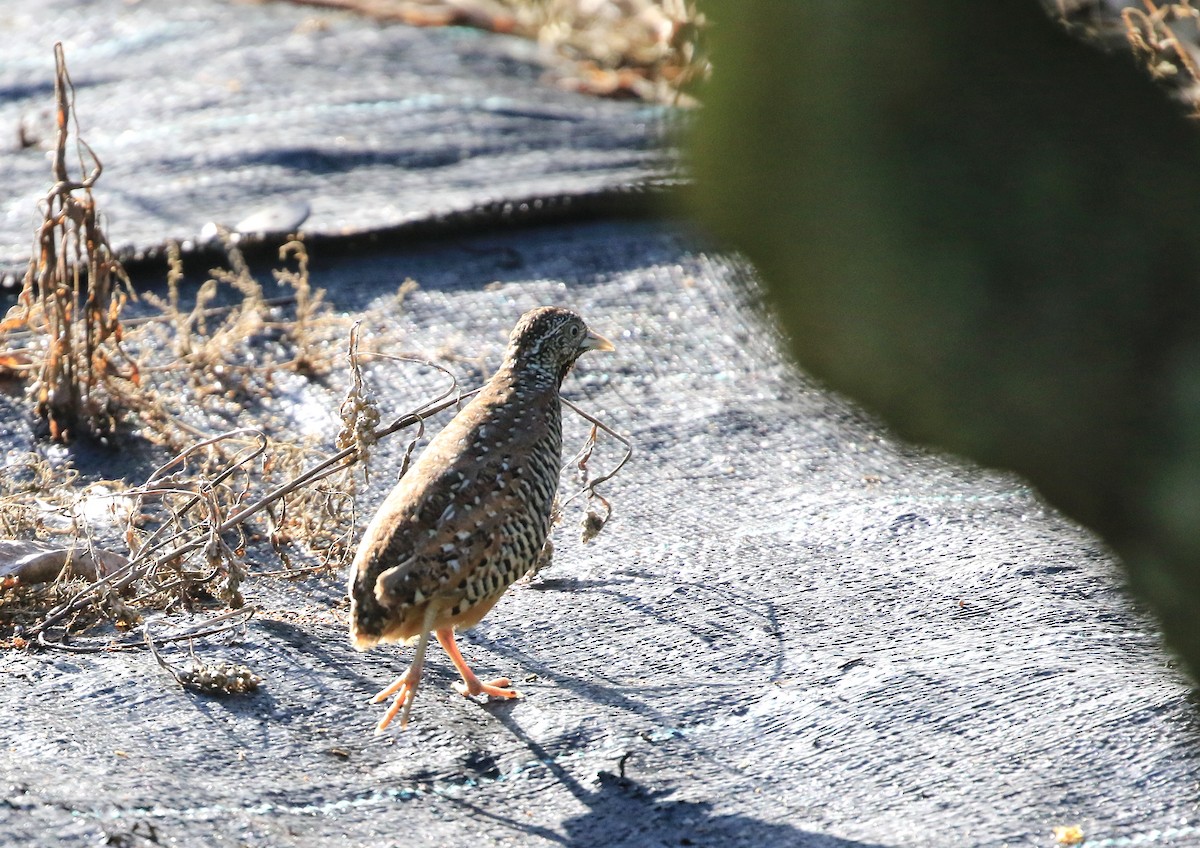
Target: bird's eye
574,331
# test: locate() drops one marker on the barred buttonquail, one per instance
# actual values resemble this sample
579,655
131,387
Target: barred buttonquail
471,516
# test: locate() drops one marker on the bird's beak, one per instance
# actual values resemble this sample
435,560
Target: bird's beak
595,341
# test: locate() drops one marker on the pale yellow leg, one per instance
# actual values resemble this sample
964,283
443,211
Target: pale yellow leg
405,686
471,684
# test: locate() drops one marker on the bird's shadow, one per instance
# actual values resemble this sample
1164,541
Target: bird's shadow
620,811
598,689
332,669
239,718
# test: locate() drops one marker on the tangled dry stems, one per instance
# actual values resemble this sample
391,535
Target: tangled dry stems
209,678
190,377
66,337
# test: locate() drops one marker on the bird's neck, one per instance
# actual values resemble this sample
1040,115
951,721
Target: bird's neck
529,377
519,388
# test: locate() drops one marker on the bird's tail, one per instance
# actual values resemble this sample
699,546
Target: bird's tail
366,616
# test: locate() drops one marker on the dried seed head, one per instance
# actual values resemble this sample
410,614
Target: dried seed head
220,678
359,411
592,524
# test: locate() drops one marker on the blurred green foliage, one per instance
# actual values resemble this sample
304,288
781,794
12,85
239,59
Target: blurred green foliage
987,232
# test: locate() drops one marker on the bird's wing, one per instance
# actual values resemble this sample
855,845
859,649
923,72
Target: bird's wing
451,528
444,560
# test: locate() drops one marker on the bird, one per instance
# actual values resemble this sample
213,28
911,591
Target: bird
472,514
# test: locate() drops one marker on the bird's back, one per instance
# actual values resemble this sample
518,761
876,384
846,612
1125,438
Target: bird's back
468,519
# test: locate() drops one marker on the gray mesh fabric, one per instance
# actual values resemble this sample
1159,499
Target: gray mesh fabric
794,631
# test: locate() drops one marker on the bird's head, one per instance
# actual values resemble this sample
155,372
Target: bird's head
549,339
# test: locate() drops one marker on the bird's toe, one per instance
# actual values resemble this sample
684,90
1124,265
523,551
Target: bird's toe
498,688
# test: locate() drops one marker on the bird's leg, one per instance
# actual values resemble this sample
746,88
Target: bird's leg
471,684
405,686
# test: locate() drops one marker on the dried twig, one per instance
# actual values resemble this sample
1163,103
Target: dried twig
412,443
594,522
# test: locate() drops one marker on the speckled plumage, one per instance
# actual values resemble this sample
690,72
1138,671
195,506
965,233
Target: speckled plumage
472,514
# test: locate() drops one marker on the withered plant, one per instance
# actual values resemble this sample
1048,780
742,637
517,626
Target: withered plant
73,294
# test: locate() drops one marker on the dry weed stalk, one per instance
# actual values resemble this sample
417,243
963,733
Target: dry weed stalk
222,371
31,486
593,521
232,354
357,399
42,503
72,296
309,309
359,411
319,517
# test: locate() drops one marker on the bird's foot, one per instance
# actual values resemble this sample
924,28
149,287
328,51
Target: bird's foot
499,688
405,690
